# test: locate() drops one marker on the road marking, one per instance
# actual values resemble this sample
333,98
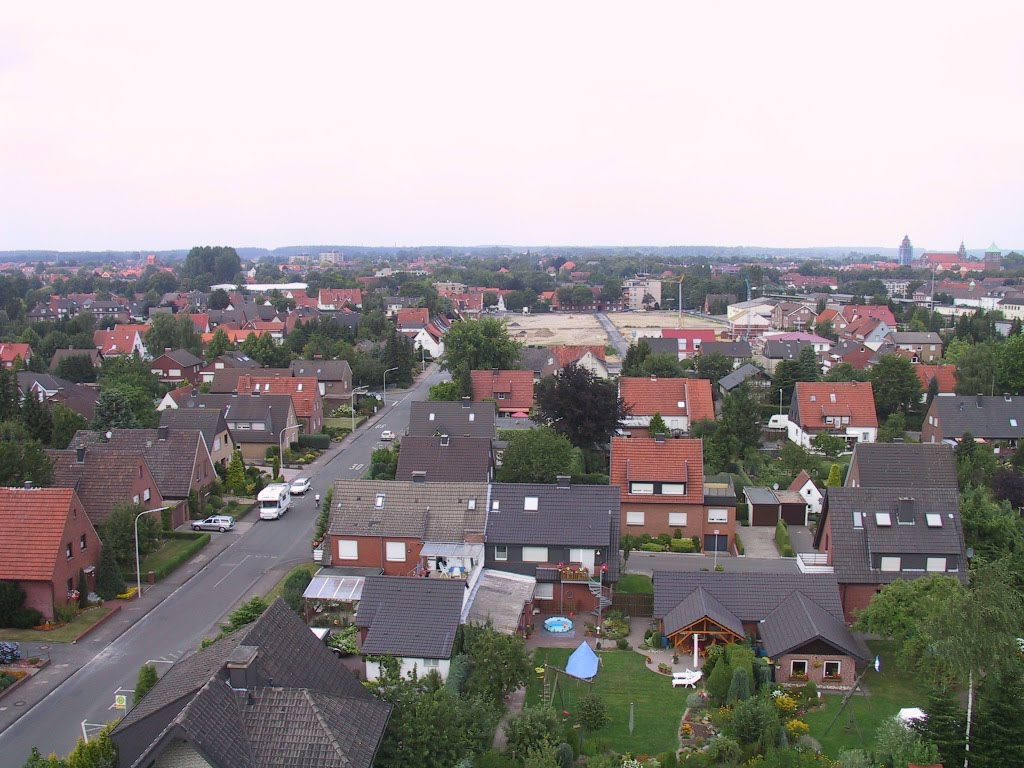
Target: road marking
94,727
356,467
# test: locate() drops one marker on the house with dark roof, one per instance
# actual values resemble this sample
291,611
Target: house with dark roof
211,425
334,377
413,620
753,376
792,315
898,465
767,506
227,360
304,392
566,536
46,388
444,458
268,694
870,537
796,619
925,345
998,419
662,489
464,418
511,391
175,366
105,478
178,459
737,351
681,402
93,354
775,351
843,409
255,422
47,540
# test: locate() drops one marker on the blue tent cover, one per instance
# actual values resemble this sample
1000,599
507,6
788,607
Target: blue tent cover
582,663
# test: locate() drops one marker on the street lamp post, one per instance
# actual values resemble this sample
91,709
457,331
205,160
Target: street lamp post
389,370
138,560
280,440
716,549
352,406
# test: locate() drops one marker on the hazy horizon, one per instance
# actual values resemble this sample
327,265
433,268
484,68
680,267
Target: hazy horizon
136,127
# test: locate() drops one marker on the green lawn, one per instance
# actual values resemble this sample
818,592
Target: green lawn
635,583
622,678
63,634
168,552
890,691
236,510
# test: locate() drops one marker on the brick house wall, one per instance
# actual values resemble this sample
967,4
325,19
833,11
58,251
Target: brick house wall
855,598
567,597
658,520
815,665
371,552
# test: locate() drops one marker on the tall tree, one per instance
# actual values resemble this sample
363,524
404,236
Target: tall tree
579,405
999,728
657,425
536,456
944,725
118,533
741,419
895,385
77,369
977,371
114,411
219,344
37,418
713,366
975,462
22,459
632,363
473,345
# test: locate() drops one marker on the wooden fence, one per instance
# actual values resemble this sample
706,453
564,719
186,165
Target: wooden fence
633,604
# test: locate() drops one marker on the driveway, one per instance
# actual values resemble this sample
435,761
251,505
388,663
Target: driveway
759,542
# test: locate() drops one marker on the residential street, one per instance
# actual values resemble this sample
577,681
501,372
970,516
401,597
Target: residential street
79,699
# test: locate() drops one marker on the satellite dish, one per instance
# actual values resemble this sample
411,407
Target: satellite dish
775,486
109,434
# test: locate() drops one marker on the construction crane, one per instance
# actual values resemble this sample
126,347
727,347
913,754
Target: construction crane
679,306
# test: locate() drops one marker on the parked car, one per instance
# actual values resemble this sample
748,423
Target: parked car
299,486
387,434
216,523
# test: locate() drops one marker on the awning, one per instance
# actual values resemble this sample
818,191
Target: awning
343,589
439,549
520,415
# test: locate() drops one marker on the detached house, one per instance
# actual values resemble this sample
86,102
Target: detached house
335,299
844,409
662,490
681,402
121,340
105,478
334,377
47,539
11,353
512,391
926,347
304,392
994,419
175,366
255,422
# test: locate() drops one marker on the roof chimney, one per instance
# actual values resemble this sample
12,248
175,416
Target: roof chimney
654,377
80,454
562,480
981,401
28,485
419,476
241,667
161,432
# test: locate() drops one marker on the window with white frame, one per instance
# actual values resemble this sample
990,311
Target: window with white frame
544,592
634,518
677,519
535,554
501,552
348,549
146,495
832,669
718,515
798,668
394,551
933,519
530,504
135,499
936,564
673,489
890,564
431,663
642,488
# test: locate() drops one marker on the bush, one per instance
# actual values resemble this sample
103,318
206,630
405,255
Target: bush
13,613
7,680
199,540
318,442
109,582
458,673
739,545
652,547
144,683
563,755
782,539
696,543
622,644
272,452
681,545
215,502
9,652
293,588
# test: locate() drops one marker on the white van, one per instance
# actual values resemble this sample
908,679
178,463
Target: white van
778,421
274,501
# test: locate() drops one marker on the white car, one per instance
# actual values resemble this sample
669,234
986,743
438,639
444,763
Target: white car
299,486
387,434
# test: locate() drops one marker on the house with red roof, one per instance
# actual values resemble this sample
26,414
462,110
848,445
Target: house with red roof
122,339
688,340
944,375
877,311
681,402
867,330
843,409
48,538
9,353
412,318
512,391
333,299
662,490
811,493
303,390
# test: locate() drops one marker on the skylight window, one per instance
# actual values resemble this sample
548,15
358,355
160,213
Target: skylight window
934,520
378,502
883,519
1013,422
858,519
531,503
431,417
472,504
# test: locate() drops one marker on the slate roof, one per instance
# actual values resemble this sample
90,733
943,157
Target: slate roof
695,606
517,386
172,460
661,346
670,397
182,357
452,418
540,360
306,708
899,465
852,548
209,421
740,349
749,596
410,617
322,370
32,521
644,459
438,512
103,480
798,620
814,400
784,350
272,410
915,337
992,418
746,371
570,515
446,459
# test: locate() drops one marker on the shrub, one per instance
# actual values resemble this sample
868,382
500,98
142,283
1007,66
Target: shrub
739,545
215,502
13,613
696,543
622,644
810,693
739,688
681,545
782,539
719,681
146,680
652,547
7,680
533,727
318,442
293,588
458,672
563,755
784,702
272,452
9,652
796,728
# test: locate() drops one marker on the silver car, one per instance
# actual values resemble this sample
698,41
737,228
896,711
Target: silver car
216,523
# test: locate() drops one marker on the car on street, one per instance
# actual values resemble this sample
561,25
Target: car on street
387,434
299,486
215,523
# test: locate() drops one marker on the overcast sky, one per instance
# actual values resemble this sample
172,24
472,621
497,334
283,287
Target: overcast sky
138,125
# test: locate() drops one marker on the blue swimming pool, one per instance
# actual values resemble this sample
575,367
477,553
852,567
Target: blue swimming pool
558,624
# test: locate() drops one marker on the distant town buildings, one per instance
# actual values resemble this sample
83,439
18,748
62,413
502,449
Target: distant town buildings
906,257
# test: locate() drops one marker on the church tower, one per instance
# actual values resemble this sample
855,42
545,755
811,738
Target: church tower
962,253
906,252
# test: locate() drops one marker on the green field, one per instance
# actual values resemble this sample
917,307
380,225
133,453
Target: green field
623,678
635,583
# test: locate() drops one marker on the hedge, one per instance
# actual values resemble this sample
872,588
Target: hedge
739,545
319,442
681,545
199,540
782,539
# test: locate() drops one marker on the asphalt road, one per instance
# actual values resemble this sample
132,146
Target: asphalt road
85,701
614,337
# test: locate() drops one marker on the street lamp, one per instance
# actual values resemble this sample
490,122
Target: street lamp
280,440
716,549
352,396
138,563
389,370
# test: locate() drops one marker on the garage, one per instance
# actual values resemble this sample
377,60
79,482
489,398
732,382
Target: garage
716,543
792,507
763,506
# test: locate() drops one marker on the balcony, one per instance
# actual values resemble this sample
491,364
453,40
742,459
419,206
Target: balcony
813,562
573,572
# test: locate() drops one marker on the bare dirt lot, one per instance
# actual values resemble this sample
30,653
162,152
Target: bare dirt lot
556,328
648,322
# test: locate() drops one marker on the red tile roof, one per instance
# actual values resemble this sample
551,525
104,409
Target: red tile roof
119,339
517,386
672,461
877,311
861,327
945,375
647,396
565,354
302,389
33,522
818,399
338,297
800,480
414,317
8,352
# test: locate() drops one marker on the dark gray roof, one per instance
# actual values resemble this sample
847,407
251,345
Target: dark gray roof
225,380
452,418
732,380
571,516
60,354
695,606
659,346
784,350
537,359
878,465
232,360
409,616
103,479
798,620
760,495
445,459
306,708
323,370
728,348
172,459
749,596
272,410
915,337
993,418
182,357
438,512
852,548
209,421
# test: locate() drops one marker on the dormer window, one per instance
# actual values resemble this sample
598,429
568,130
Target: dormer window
646,489
883,519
